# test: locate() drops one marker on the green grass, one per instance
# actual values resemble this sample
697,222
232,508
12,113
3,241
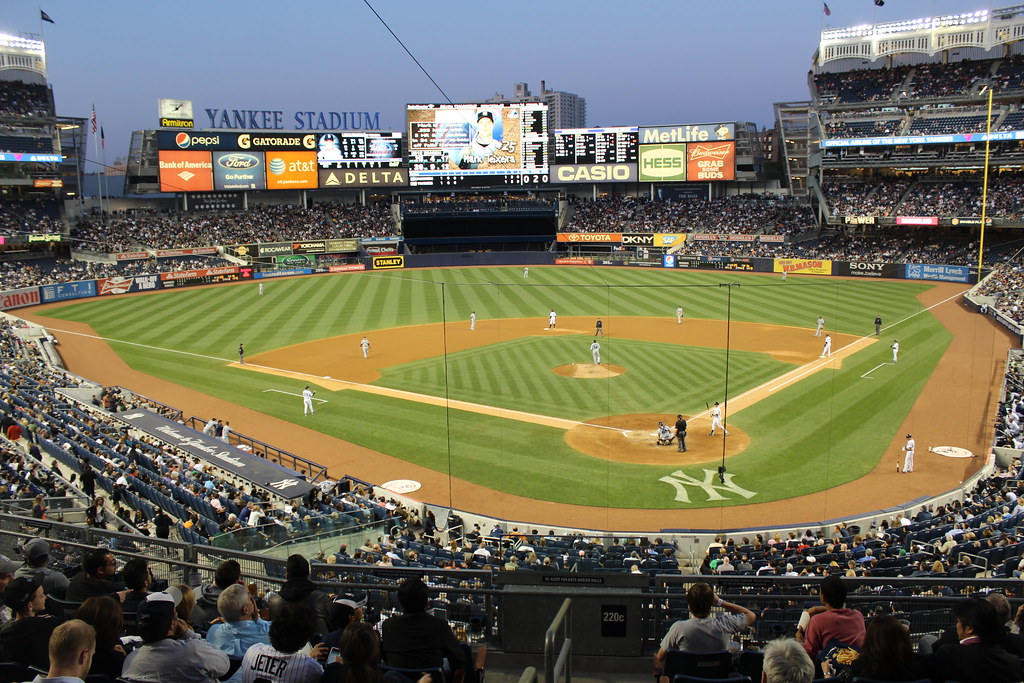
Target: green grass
824,430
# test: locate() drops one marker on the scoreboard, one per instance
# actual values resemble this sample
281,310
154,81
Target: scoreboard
371,149
618,145
473,145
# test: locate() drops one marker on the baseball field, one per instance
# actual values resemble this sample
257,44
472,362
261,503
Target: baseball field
515,420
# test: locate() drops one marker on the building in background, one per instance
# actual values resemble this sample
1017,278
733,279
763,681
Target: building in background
565,109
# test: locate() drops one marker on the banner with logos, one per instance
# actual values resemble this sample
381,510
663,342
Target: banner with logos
926,271
860,220
574,261
593,173
388,262
273,249
311,247
291,171
663,239
365,177
662,163
63,291
346,267
185,171
917,220
238,171
199,276
127,284
970,221
132,256
178,253
296,260
710,161
582,237
282,273
341,246
865,269
16,298
803,266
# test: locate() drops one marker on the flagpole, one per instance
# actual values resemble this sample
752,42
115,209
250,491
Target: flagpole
103,145
96,152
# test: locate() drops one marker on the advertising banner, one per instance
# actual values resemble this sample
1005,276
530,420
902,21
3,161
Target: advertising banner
387,262
225,141
574,261
925,271
311,247
638,239
772,238
341,246
283,273
200,276
45,237
346,267
860,220
291,170
366,177
711,161
668,239
238,171
132,256
273,249
594,173
662,163
381,249
970,221
804,266
176,253
590,237
720,237
699,132
296,260
185,172
16,298
917,220
64,291
865,269
124,285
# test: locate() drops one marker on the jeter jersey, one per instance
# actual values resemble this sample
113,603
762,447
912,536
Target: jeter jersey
263,664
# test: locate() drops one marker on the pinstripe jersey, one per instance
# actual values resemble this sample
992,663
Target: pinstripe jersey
264,664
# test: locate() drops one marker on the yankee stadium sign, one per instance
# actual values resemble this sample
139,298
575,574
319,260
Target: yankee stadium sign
274,119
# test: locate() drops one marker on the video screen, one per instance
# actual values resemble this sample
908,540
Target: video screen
376,149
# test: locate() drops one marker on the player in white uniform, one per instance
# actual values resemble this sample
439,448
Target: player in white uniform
783,276
365,346
526,272
895,351
307,401
472,321
679,315
595,351
716,420
827,351
552,317
261,289
821,325
908,458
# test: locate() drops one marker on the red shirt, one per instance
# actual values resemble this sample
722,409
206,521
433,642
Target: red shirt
14,432
846,625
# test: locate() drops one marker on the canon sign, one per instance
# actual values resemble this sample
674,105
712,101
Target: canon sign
16,298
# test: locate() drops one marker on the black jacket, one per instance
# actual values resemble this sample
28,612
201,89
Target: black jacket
304,590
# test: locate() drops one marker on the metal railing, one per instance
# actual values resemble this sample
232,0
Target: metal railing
557,663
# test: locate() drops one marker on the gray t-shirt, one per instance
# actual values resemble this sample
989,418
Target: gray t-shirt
707,634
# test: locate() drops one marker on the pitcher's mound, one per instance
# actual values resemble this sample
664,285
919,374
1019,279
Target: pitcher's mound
588,370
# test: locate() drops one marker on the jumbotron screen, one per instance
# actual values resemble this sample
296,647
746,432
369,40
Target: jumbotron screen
472,145
376,149
619,145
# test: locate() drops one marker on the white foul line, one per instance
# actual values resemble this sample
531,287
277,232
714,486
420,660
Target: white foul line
865,375
289,393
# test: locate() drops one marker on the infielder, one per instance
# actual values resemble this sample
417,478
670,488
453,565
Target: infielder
307,401
895,351
261,289
599,328
827,351
552,317
908,458
526,272
679,315
241,354
821,325
365,345
472,321
716,420
595,351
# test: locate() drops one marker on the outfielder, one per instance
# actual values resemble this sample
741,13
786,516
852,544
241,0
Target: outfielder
307,401
526,272
784,273
472,321
261,289
895,351
552,317
716,420
821,325
908,458
827,351
365,346
679,314
595,351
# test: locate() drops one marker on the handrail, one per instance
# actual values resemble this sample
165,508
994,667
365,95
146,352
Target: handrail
529,675
553,666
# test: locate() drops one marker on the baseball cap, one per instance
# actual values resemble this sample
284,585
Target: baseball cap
485,115
343,607
7,565
36,548
908,436
158,608
20,591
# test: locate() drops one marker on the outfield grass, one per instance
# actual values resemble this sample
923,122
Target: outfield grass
827,429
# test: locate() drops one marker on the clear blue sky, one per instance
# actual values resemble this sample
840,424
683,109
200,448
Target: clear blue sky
645,62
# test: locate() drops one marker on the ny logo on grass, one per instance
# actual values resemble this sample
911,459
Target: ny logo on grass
710,485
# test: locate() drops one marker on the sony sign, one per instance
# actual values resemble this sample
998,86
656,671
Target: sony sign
594,173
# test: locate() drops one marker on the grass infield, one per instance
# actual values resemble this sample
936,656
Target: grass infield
826,429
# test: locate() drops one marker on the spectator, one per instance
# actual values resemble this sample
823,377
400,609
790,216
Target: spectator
170,652
298,588
417,640
97,578
887,654
24,639
229,572
360,659
71,649
281,661
106,617
137,579
977,658
345,610
831,620
37,556
785,661
242,627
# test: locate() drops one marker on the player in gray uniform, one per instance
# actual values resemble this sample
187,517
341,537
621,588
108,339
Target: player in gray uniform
595,351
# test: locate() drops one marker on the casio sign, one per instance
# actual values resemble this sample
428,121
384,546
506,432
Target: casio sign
593,173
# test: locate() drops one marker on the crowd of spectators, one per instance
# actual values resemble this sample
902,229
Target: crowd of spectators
861,128
16,274
866,85
1010,75
29,216
24,100
926,197
948,80
271,223
744,214
1006,285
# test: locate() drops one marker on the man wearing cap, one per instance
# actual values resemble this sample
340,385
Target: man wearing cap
242,627
37,555
71,648
347,609
24,639
476,154
171,652
96,578
908,457
298,588
7,569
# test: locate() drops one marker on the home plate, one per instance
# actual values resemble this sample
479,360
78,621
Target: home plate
951,452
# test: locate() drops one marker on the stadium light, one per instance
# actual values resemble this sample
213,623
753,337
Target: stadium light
984,181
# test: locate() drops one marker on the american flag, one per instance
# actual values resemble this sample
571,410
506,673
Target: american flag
92,119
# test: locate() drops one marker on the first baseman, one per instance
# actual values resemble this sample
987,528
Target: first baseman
365,345
595,351
307,401
821,325
827,351
716,420
908,459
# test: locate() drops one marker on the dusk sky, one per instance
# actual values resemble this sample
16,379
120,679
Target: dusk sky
647,62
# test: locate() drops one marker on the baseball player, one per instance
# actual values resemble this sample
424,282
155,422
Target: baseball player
472,321
365,346
552,317
908,458
716,420
680,433
895,351
821,325
307,401
878,325
599,328
595,351
261,289
241,354
679,314
827,351
526,272
784,273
